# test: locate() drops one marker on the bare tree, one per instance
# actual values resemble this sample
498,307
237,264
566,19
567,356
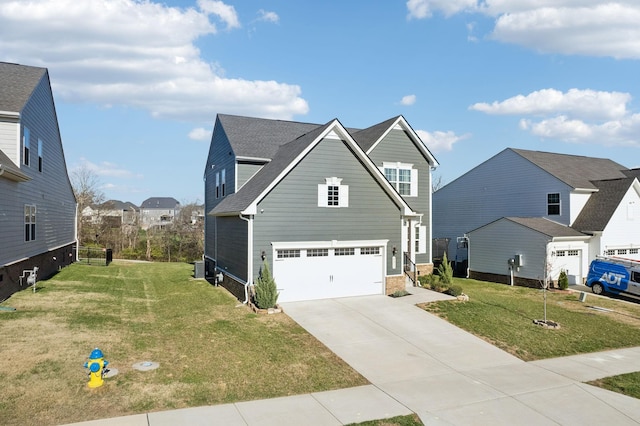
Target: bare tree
86,187
436,183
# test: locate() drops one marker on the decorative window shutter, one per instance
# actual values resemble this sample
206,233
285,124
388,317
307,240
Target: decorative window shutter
344,195
323,189
422,243
414,183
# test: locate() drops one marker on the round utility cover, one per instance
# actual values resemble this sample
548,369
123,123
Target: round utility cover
146,365
110,372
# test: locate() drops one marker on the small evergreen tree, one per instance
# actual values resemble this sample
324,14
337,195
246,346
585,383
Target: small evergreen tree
445,271
563,280
266,292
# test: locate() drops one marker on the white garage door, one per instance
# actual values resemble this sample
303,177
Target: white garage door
571,262
322,271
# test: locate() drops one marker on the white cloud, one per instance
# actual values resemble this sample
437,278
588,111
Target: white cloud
137,53
408,100
264,15
200,134
623,132
439,141
573,27
579,116
420,9
582,103
106,169
223,11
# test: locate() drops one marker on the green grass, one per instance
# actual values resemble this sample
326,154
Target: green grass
411,420
211,349
628,384
503,315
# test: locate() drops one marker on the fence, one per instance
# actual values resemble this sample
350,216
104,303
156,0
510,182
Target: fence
94,255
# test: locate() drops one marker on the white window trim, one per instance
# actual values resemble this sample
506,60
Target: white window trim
323,193
413,191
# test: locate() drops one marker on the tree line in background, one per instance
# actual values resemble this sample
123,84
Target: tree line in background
180,241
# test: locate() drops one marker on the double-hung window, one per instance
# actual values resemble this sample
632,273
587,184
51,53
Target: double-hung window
26,146
403,177
40,155
333,193
29,222
553,204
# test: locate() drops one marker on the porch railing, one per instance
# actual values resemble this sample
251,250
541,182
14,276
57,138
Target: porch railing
410,269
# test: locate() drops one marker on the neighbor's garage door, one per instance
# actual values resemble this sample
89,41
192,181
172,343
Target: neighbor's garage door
571,262
323,273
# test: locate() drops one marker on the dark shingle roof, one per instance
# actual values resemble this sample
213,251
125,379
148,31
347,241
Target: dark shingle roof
546,226
159,203
17,84
596,214
367,137
286,153
260,137
574,170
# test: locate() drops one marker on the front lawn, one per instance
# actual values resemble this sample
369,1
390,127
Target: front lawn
210,348
503,315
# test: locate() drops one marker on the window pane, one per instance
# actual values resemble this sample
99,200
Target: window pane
553,210
553,198
344,251
405,175
404,188
333,197
391,175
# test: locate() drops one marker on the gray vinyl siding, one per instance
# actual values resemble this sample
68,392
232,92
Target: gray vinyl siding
245,172
232,245
290,211
217,160
50,190
397,146
505,185
493,245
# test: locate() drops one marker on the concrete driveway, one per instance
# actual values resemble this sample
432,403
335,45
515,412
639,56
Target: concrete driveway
450,377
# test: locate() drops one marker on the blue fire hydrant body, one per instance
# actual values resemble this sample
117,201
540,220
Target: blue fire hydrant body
96,366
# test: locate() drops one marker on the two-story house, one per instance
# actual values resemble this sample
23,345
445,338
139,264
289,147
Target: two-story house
37,204
158,211
555,211
115,212
333,211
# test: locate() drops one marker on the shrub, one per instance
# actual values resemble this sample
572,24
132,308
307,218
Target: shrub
445,271
266,292
428,281
563,280
455,290
400,293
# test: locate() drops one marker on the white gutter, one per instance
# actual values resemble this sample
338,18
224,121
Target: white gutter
249,256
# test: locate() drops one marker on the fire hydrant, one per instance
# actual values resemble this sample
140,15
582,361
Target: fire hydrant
96,366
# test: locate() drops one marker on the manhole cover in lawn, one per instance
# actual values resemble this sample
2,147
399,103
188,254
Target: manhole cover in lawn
146,365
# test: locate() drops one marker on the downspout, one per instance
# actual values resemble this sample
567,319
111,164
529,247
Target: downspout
249,256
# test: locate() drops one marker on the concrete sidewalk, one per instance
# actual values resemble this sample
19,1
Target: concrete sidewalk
417,362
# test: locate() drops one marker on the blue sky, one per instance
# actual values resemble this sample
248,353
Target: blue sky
137,84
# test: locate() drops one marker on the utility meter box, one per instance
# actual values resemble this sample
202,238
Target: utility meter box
518,260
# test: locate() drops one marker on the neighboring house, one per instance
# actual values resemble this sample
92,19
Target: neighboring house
197,215
333,211
37,204
115,211
595,197
158,211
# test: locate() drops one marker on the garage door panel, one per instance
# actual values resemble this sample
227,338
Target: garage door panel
339,273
